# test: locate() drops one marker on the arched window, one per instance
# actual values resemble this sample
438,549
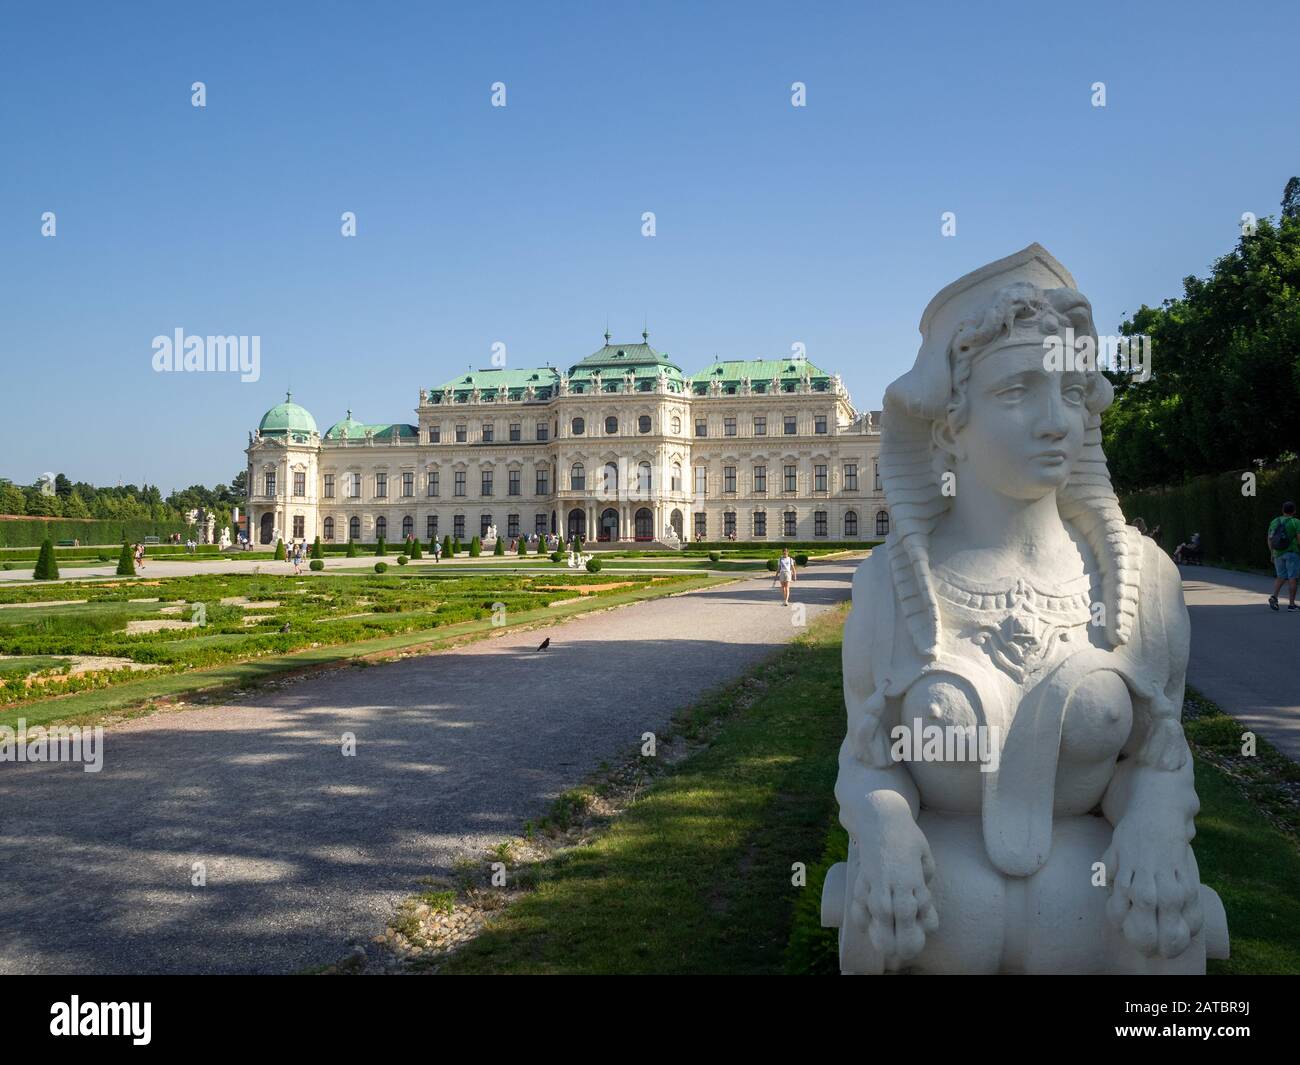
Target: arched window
577,477
611,425
677,424
381,528
611,477
354,528
850,523
677,477
643,477
882,523
329,528
579,426
643,423
408,527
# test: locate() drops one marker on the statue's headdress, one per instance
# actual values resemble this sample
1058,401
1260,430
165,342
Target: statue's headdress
1028,294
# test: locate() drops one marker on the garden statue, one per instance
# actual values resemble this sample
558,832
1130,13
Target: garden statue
1015,781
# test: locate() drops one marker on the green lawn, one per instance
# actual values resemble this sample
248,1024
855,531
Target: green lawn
695,877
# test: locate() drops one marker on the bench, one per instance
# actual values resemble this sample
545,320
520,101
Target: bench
66,543
152,540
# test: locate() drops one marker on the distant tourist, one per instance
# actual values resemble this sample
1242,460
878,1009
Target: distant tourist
785,574
437,550
1282,532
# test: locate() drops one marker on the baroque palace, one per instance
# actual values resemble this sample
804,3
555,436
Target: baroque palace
621,447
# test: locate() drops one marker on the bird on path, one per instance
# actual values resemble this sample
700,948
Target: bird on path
545,644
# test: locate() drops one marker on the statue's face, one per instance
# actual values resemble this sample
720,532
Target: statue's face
1024,426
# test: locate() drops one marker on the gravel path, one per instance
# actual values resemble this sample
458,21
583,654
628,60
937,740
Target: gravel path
307,850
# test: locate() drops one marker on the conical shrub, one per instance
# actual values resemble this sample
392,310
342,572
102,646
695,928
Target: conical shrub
126,561
47,569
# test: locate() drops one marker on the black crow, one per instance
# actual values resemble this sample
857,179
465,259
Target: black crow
545,644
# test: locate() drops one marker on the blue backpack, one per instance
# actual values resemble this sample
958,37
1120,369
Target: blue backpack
1281,537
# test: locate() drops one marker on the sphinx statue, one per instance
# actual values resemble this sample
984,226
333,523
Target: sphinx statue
1015,780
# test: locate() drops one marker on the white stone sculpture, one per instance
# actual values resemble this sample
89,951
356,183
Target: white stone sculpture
1013,668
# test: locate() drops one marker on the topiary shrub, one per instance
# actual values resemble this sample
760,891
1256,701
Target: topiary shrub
46,568
402,560
523,545
316,550
104,558
352,549
593,565
279,551
381,567
475,547
500,548
413,549
126,561
446,546
316,564
380,549
715,556
456,546
801,560
771,565
556,556
7,565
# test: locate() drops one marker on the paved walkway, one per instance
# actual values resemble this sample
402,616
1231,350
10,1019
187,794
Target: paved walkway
305,849
1244,656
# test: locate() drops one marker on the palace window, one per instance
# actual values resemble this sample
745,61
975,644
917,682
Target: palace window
850,523
516,432
728,479
760,425
542,481
354,486
789,523
701,526
611,478
485,483
578,477
643,423
677,477
484,520
791,478
408,485
791,424
299,483
819,478
487,432
460,483
543,431
701,480
458,526
431,484
760,523
819,523
512,485
819,424
876,475
579,426
643,477
729,524
850,477
760,480
701,427
611,425
354,528
729,425
431,527
381,528
329,528
435,434
381,486
299,527
512,524
270,483
408,527
882,523
677,424
329,486
461,434
539,523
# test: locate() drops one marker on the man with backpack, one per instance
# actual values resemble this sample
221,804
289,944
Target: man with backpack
1282,544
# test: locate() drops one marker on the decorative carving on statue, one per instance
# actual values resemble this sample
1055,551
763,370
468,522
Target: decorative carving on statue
1013,664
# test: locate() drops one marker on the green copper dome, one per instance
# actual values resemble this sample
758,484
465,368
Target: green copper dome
287,418
348,429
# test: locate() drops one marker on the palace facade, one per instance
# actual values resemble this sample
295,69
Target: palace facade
620,447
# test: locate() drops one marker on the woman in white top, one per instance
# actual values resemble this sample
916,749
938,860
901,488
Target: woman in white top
785,574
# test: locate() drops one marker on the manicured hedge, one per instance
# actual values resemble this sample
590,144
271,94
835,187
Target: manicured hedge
24,532
1233,526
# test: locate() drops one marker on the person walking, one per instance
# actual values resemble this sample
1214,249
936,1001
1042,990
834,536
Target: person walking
1283,546
785,574
437,551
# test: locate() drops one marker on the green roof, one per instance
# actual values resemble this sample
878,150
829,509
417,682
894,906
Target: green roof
622,357
761,372
351,429
491,380
287,419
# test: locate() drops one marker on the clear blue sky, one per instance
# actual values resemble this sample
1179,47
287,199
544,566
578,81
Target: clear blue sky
522,225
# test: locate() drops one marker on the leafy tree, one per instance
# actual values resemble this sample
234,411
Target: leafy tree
126,561
47,569
62,486
1291,199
